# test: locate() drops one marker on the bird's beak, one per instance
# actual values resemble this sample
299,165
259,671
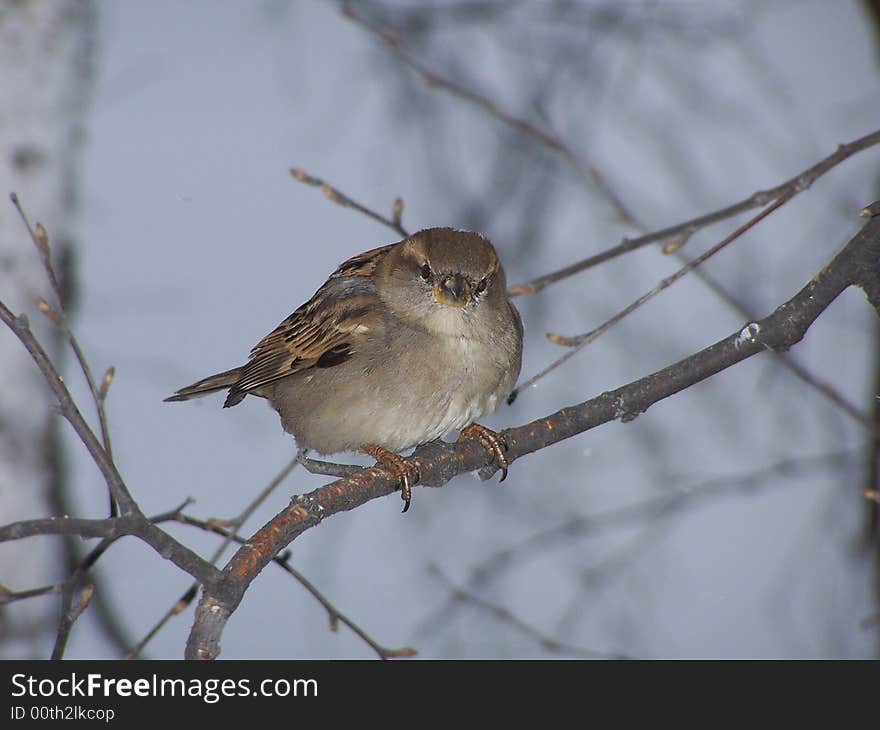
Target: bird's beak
453,290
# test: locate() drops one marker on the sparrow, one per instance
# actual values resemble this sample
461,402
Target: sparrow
401,345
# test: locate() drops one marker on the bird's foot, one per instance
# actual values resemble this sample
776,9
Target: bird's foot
493,442
406,472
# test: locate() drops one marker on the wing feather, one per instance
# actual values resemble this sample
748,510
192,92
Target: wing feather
323,332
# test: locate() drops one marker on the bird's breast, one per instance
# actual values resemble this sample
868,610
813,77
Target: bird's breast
468,377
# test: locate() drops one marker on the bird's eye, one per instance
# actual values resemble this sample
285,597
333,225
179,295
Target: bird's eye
425,271
482,284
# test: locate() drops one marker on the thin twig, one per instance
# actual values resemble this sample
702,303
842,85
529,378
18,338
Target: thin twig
683,231
333,194
585,170
58,315
179,606
787,361
647,511
654,509
10,596
578,342
463,596
72,612
335,616
799,371
190,593
21,328
108,527
131,520
38,528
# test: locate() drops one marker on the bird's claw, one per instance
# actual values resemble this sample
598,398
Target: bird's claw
493,442
406,472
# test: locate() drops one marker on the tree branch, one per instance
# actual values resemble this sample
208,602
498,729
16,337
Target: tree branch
334,614
581,341
677,234
553,142
438,463
234,524
107,527
334,195
131,520
683,231
73,610
40,238
460,595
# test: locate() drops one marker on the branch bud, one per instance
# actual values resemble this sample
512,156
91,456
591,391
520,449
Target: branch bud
106,381
47,310
42,238
562,340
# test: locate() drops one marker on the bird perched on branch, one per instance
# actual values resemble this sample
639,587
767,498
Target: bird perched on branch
401,345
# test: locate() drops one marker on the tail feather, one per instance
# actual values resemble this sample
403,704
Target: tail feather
211,384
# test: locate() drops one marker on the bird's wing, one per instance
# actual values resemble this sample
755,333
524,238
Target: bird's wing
322,332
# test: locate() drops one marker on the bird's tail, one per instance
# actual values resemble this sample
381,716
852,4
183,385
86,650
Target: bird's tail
211,384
